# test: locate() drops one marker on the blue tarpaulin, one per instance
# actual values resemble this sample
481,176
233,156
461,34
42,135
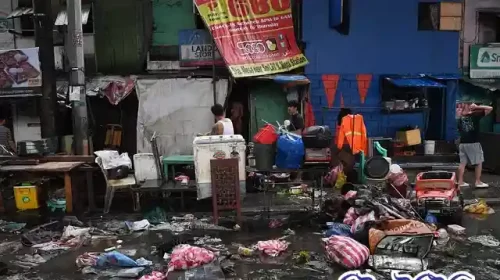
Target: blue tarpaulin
414,82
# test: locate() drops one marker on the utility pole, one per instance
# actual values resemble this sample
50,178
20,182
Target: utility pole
77,81
44,38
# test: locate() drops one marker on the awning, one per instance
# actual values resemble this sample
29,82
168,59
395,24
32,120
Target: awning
445,77
489,84
414,82
62,17
19,12
288,80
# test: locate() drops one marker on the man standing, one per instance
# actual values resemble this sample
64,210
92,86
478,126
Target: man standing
7,145
296,120
470,149
223,125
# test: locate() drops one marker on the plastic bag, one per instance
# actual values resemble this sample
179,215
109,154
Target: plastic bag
346,251
290,151
112,159
341,179
332,176
272,247
115,259
338,229
479,208
208,271
186,257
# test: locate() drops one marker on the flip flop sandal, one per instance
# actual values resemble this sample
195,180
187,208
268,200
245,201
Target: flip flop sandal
482,185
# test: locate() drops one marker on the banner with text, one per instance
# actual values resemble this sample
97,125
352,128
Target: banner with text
255,37
195,49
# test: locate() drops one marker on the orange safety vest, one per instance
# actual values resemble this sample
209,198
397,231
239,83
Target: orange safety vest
353,129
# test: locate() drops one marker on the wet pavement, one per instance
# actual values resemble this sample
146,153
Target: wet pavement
480,260
459,254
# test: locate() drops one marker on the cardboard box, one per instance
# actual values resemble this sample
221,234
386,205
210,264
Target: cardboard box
409,137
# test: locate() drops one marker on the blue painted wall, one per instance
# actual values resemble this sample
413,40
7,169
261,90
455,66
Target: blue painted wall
383,40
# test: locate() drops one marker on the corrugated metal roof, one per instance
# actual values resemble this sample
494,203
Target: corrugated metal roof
20,12
414,82
62,17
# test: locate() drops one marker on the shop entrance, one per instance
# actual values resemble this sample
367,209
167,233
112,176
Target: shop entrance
437,113
237,109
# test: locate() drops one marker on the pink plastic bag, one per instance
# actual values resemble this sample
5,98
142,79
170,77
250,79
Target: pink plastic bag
155,275
272,247
346,251
350,216
331,177
361,220
186,256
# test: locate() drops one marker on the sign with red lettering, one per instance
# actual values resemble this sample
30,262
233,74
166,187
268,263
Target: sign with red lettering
255,37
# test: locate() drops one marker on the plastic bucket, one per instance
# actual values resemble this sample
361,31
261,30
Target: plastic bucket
429,147
266,135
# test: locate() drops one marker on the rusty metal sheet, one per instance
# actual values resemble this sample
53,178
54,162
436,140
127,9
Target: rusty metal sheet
225,184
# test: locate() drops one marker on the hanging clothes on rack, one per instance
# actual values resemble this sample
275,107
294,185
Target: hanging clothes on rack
352,131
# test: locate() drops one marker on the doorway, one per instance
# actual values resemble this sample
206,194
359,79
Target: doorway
237,109
436,114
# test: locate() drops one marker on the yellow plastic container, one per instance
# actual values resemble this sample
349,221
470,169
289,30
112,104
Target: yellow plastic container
26,197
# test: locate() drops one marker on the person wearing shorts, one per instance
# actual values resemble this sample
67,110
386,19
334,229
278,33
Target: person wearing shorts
470,149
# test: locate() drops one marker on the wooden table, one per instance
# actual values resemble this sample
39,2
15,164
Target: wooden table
50,167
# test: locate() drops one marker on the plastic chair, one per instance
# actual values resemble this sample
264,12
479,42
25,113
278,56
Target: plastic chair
113,185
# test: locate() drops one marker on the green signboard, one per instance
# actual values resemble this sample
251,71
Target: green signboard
484,61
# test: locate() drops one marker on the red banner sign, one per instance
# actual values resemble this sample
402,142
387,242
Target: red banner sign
255,37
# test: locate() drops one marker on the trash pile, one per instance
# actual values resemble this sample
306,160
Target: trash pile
369,226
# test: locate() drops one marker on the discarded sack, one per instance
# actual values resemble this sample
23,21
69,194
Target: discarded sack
346,251
272,247
186,256
360,221
338,229
391,237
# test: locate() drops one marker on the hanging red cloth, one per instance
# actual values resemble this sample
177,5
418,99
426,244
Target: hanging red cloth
352,131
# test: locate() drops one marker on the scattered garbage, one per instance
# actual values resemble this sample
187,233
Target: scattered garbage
456,229
442,237
11,227
362,226
479,208
485,240
338,229
138,226
156,216
186,256
346,251
272,247
155,275
246,252
120,260
384,262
